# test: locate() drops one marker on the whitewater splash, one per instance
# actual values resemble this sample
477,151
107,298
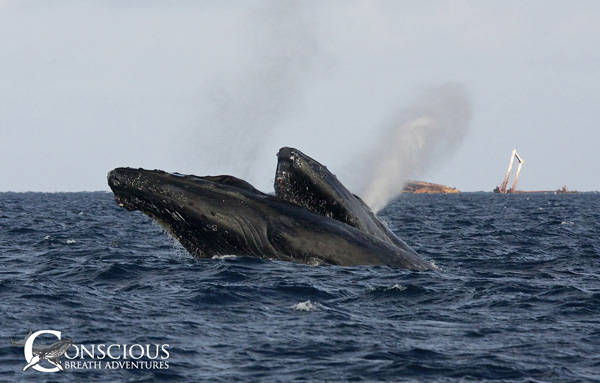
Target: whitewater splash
306,306
430,129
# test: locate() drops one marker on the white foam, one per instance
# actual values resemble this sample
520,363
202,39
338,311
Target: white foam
306,306
226,256
314,262
398,287
71,241
435,267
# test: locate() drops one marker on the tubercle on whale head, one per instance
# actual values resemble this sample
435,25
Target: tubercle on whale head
280,178
145,190
292,160
118,183
286,158
301,180
291,163
157,194
127,185
285,165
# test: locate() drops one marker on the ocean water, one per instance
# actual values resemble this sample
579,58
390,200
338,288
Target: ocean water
516,297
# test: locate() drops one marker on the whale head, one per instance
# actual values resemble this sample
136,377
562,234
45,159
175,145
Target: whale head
305,182
203,213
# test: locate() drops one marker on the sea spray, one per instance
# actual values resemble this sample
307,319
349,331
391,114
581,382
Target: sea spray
420,136
246,107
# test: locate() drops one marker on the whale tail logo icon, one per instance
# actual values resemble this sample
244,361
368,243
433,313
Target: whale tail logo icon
50,352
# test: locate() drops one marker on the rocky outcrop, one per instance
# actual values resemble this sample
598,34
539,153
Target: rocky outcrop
420,187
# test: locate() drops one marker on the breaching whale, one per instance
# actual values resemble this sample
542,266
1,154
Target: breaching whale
224,215
303,181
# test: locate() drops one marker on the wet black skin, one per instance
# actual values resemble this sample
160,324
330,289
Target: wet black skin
303,181
223,215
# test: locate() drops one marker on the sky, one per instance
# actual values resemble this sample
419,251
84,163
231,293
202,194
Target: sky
439,91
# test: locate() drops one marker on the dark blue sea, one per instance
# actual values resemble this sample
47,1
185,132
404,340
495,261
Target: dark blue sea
516,297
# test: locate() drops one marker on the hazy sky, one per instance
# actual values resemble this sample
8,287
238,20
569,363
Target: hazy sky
216,87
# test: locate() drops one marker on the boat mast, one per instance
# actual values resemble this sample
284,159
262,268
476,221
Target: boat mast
502,189
514,187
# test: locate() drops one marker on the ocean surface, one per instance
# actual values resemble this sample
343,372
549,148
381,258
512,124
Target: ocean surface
516,297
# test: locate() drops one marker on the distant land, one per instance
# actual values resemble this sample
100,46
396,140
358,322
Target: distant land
420,187
562,190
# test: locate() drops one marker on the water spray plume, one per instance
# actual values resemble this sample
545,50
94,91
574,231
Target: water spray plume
419,137
233,136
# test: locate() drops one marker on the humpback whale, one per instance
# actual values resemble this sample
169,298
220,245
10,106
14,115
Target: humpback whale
303,181
224,215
